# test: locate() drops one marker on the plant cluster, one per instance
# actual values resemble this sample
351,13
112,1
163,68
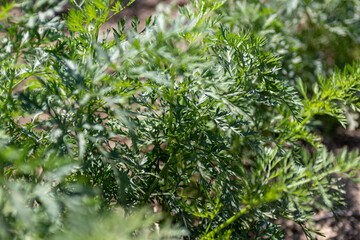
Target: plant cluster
191,116
311,36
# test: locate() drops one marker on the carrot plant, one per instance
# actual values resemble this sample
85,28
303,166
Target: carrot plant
186,116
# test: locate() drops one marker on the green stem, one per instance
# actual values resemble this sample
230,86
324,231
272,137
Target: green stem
171,101
212,234
208,228
307,180
163,172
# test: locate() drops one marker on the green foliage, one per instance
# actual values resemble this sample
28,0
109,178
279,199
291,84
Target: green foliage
311,36
190,116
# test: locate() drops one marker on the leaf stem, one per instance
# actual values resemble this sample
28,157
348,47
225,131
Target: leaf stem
211,234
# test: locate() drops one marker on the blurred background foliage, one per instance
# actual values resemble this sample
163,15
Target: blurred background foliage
312,37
